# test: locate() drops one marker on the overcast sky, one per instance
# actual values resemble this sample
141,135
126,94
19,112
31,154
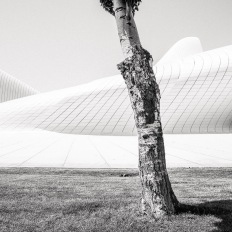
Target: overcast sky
53,44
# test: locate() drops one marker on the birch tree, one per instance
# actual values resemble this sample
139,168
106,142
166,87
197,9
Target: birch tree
158,198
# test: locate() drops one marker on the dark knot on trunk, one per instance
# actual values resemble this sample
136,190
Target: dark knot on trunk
137,63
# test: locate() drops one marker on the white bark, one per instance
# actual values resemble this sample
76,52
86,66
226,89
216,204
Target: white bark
127,30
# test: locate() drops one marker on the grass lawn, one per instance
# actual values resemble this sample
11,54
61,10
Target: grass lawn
52,199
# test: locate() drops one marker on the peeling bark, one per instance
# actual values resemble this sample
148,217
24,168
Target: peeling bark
158,197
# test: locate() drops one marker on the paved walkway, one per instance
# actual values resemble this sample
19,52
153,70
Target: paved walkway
50,149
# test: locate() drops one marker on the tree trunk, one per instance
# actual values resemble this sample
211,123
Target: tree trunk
158,197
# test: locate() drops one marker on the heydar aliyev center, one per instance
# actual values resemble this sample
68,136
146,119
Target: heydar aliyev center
92,125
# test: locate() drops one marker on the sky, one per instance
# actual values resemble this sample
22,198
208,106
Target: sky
54,44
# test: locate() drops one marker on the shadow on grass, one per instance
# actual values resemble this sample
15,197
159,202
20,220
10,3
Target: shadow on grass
220,209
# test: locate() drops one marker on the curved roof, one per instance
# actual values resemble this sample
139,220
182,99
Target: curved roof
196,98
11,88
183,48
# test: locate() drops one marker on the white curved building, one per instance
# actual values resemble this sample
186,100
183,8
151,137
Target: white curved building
96,126
12,88
196,98
183,48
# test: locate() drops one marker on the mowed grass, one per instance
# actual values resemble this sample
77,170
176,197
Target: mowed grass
51,199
